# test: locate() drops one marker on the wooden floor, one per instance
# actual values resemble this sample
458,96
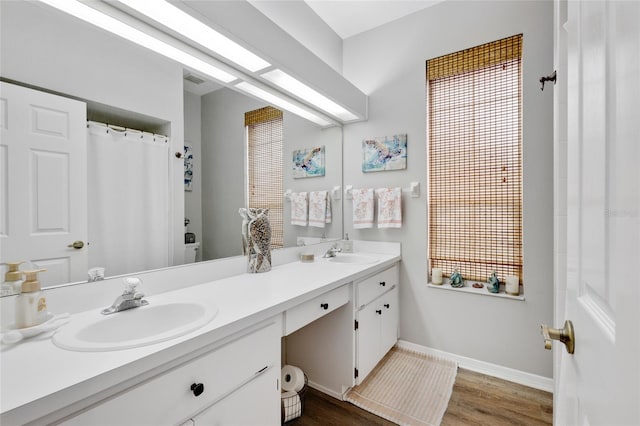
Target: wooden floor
477,399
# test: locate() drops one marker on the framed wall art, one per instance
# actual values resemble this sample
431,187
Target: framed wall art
308,162
384,153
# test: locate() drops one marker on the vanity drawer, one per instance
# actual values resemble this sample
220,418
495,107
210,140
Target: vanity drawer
307,312
372,287
169,399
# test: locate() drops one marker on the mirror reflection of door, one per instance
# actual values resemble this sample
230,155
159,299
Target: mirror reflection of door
44,183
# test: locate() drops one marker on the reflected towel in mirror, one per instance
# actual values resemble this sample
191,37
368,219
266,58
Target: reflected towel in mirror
318,203
299,206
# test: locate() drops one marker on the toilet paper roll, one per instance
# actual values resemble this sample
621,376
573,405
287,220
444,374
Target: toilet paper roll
292,378
291,406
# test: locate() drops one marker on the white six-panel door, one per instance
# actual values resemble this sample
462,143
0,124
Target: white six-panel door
600,383
43,182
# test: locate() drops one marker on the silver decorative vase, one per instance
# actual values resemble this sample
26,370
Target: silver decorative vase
256,239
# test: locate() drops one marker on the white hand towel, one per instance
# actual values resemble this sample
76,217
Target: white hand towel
328,215
362,208
317,208
299,208
389,207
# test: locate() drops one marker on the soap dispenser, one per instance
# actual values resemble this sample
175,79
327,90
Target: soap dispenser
347,244
31,305
12,279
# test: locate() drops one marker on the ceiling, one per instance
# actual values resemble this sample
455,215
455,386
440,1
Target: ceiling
350,17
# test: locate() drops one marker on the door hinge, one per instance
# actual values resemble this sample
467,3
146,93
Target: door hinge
355,324
355,373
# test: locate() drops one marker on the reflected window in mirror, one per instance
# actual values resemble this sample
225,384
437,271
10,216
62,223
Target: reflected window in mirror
264,167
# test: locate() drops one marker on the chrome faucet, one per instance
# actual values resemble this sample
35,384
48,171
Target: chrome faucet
129,299
333,251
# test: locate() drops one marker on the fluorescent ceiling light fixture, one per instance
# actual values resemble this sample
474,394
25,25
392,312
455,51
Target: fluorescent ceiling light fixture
175,18
143,39
282,103
301,90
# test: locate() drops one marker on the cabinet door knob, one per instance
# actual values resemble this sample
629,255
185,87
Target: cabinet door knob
324,306
383,283
386,305
379,311
197,389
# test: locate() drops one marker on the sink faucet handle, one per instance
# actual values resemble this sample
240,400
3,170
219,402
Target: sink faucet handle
131,284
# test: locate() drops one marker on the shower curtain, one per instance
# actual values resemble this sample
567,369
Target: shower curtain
128,199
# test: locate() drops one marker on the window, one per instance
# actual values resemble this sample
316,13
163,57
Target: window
264,164
475,160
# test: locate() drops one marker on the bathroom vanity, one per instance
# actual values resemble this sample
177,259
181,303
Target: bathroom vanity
337,318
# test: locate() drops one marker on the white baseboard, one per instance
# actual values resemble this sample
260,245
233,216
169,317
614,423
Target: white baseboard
325,390
505,373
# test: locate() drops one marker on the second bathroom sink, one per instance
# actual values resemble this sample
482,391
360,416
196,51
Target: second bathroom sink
133,328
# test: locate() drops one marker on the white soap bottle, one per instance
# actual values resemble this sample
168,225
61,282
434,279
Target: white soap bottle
347,244
31,305
12,279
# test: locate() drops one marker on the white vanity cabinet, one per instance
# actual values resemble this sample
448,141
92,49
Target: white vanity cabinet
307,312
377,331
377,318
235,383
246,406
376,285
340,349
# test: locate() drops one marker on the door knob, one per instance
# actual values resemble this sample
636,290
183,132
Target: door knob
76,245
564,335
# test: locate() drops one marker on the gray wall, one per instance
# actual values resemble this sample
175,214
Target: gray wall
388,63
223,171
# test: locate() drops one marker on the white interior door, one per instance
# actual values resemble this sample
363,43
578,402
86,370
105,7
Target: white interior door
600,383
43,182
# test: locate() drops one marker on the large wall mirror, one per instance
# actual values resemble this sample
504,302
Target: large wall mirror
123,84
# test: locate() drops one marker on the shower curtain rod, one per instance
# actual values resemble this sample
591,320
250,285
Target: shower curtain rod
124,130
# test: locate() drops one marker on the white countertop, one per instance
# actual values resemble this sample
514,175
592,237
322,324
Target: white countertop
38,378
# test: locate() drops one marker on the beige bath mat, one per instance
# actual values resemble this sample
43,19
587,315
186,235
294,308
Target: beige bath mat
407,388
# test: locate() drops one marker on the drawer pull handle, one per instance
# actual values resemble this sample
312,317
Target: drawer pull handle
197,389
386,305
324,306
383,283
379,311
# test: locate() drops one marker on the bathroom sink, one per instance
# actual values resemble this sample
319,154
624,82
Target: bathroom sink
357,259
133,328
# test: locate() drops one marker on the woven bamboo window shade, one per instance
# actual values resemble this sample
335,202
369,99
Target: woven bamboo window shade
475,160
264,135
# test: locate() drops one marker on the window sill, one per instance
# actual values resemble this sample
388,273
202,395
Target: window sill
479,291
